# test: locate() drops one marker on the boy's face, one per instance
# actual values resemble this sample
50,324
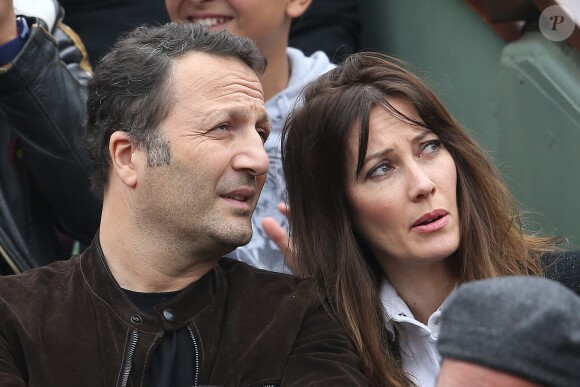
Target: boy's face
266,22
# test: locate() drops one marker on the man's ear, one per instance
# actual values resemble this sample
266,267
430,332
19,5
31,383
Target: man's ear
125,158
295,8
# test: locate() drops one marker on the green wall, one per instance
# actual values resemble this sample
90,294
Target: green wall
521,100
539,126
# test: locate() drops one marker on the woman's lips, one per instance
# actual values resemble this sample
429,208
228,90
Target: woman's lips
434,226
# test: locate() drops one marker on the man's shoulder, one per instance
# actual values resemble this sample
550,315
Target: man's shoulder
262,281
276,321
38,280
239,269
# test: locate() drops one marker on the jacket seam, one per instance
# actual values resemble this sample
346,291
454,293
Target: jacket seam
157,337
265,382
121,369
114,281
96,295
202,351
127,325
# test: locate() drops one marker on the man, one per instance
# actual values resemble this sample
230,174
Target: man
512,332
175,131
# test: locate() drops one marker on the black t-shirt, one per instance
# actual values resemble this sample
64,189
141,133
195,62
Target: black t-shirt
172,362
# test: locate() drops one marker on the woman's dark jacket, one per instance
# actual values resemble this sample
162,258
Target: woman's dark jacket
70,324
44,184
564,267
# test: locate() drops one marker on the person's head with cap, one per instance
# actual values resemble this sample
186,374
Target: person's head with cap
510,331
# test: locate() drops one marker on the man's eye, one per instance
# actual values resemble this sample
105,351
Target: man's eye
222,127
380,170
264,134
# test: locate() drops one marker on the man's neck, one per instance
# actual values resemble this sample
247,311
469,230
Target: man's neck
150,264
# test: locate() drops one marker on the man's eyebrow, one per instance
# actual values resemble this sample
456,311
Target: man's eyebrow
237,113
264,119
242,113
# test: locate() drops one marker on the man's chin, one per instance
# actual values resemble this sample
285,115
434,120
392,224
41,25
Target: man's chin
236,239
242,241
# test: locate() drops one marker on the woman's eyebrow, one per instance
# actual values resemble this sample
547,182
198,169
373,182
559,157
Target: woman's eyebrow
383,152
424,133
378,154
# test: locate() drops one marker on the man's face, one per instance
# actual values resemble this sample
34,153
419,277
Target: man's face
457,373
265,22
215,131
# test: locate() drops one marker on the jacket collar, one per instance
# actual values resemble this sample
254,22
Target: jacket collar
197,297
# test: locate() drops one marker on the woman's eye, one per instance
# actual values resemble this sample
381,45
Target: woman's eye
380,170
431,146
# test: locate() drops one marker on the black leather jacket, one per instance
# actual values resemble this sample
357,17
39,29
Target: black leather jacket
44,184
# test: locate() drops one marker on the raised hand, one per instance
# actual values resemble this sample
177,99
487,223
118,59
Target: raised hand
278,234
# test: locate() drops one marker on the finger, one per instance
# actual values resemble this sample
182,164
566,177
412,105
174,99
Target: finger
276,233
284,209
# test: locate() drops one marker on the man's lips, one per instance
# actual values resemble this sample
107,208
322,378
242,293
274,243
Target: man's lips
241,197
431,221
240,194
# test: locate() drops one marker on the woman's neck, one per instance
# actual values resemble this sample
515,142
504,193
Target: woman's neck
423,288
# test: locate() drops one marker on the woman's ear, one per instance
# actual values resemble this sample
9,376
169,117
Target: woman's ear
125,158
295,8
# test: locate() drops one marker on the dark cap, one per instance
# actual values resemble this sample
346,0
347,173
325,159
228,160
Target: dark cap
525,326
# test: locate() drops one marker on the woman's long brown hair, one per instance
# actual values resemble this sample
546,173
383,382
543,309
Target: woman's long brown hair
324,245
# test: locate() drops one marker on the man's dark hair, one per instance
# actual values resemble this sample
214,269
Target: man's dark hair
130,89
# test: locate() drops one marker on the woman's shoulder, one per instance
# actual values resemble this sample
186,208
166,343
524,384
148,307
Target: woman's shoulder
564,267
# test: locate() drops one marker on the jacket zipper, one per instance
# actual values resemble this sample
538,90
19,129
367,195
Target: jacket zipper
129,357
196,365
10,262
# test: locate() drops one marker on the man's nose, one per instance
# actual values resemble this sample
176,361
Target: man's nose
251,156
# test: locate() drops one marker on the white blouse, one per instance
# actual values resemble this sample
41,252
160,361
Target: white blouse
418,342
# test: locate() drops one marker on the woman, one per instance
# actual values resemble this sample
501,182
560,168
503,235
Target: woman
394,205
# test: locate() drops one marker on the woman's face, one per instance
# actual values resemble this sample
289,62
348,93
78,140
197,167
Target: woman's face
404,201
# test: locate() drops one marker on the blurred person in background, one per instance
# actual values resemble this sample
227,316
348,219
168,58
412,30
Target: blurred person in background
45,200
